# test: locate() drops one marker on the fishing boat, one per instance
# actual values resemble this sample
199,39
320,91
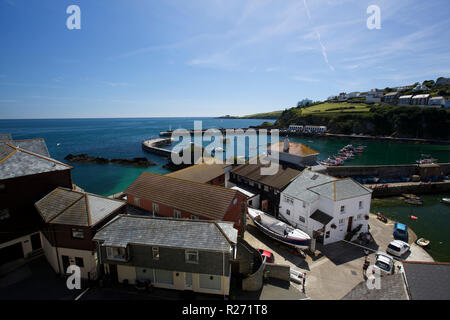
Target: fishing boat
445,200
278,230
423,242
410,196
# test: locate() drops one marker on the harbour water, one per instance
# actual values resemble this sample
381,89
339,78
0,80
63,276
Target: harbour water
121,138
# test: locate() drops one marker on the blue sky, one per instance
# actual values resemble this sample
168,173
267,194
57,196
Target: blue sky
209,58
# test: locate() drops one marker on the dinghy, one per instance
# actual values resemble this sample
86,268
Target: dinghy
278,230
446,200
423,242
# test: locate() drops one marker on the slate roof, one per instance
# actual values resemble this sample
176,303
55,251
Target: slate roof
278,181
308,186
5,137
391,288
206,200
202,173
65,206
321,217
428,280
17,162
37,146
167,232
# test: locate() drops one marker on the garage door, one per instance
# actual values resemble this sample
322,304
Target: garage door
11,253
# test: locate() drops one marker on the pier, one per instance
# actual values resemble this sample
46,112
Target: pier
223,131
154,146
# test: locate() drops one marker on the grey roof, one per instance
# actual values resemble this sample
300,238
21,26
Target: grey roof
321,217
391,94
391,288
341,189
17,162
5,137
299,187
37,146
167,232
428,281
309,185
65,206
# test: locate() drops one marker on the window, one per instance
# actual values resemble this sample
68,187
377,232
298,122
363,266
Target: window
191,256
177,214
164,277
155,253
360,204
4,214
155,208
341,221
194,217
77,233
302,219
304,204
79,262
288,212
116,253
137,202
342,209
288,199
358,216
210,282
266,188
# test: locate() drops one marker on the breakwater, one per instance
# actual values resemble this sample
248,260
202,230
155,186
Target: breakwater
154,146
397,189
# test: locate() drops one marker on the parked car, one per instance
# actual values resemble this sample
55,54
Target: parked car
270,258
397,248
400,231
384,264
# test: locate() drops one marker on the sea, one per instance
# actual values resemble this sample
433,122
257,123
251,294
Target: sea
122,137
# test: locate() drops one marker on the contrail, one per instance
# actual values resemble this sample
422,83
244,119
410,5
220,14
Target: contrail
324,50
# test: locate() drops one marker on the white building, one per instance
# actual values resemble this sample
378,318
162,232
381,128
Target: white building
295,127
374,95
421,87
353,95
420,100
325,207
315,129
304,102
437,102
405,100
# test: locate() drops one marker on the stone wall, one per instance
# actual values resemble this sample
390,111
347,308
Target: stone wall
396,189
278,271
247,257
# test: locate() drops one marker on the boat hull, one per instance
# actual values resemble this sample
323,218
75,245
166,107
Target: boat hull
290,241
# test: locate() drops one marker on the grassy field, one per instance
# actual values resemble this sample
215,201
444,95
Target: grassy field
265,115
336,107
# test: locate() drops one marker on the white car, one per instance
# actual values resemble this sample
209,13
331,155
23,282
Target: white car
397,248
384,264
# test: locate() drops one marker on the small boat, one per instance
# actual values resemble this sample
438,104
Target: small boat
445,200
278,230
417,202
423,242
381,217
410,196
414,218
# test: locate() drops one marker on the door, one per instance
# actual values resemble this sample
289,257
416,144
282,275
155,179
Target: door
187,281
113,273
11,253
65,263
349,226
36,241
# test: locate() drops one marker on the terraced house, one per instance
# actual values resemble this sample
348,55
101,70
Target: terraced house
71,219
177,198
27,173
180,254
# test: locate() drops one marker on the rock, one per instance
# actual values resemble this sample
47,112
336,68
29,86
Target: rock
143,162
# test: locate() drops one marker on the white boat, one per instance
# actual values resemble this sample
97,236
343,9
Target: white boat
423,242
278,230
446,200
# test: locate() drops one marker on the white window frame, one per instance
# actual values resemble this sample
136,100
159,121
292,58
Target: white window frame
341,221
288,212
342,209
155,208
137,202
302,219
361,205
77,231
176,214
111,255
194,217
188,253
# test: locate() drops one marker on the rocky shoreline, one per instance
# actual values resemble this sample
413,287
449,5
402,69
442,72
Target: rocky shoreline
140,162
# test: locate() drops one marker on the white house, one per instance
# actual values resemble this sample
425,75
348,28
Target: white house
315,129
374,95
405,100
342,96
325,207
295,127
421,87
437,102
304,102
420,100
353,94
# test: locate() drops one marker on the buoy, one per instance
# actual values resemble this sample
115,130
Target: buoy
414,217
